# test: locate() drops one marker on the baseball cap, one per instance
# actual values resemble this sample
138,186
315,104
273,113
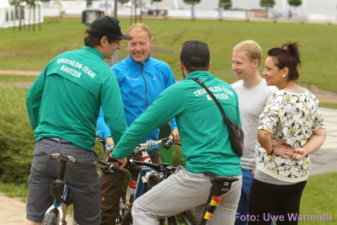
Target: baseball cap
195,53
108,26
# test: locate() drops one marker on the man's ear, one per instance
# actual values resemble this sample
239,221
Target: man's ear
152,42
104,40
182,66
183,69
256,63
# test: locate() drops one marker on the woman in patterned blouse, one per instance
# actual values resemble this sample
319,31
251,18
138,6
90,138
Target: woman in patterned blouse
291,127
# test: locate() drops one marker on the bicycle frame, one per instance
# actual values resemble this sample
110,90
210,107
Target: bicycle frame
60,193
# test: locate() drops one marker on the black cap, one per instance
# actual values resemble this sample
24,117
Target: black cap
195,53
108,26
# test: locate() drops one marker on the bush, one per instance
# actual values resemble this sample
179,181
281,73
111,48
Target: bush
16,137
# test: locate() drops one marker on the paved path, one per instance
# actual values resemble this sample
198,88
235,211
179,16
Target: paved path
325,160
13,210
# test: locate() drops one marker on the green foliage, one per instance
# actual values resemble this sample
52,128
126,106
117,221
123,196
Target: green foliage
156,1
14,190
226,4
123,1
295,3
16,139
88,3
192,2
267,3
15,2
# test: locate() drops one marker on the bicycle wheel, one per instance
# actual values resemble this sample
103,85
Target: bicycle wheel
127,220
188,218
50,218
123,210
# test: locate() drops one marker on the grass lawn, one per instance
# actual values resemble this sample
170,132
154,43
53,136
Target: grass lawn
328,105
319,198
16,78
32,50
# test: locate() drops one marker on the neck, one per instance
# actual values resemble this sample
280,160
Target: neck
252,81
292,85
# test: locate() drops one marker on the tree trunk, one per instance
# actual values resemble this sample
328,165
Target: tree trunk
192,12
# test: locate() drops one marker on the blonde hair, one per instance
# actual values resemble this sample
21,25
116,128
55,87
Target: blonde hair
251,48
142,27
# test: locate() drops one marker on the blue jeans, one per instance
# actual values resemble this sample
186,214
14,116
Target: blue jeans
247,180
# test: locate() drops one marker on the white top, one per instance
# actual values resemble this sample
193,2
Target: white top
290,116
251,104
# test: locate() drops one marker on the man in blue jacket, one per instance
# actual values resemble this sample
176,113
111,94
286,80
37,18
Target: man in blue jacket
141,79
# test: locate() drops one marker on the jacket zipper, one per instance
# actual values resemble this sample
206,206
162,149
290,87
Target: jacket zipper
145,84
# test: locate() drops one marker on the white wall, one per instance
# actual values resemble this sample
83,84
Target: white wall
9,17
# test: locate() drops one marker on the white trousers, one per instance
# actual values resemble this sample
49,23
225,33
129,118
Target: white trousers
180,192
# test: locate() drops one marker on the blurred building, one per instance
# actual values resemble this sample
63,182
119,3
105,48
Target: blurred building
19,15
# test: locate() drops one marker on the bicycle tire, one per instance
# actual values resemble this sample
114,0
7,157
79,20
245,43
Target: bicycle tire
189,218
127,220
50,218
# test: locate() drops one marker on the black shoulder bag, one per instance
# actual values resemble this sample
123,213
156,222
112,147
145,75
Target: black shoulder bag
234,130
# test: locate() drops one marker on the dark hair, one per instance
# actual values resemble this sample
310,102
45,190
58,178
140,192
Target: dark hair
287,56
191,67
195,55
93,41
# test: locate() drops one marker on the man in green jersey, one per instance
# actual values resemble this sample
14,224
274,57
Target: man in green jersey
63,105
204,138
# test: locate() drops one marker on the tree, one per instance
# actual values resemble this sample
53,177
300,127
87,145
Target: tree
267,3
19,11
295,3
226,4
123,1
192,3
88,3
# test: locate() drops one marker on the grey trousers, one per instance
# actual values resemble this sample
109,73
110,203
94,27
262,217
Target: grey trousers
81,178
180,192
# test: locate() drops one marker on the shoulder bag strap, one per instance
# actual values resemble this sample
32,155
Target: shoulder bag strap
214,99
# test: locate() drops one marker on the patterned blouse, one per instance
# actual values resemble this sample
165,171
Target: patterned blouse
290,116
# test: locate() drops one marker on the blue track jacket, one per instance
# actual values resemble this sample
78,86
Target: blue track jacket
140,84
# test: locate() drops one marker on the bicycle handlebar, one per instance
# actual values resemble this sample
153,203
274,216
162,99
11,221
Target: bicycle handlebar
150,143
63,158
161,167
109,167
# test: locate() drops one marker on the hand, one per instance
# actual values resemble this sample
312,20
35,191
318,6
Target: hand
299,153
175,135
281,149
120,163
109,141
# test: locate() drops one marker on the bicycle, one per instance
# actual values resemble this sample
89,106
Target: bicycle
55,214
151,174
